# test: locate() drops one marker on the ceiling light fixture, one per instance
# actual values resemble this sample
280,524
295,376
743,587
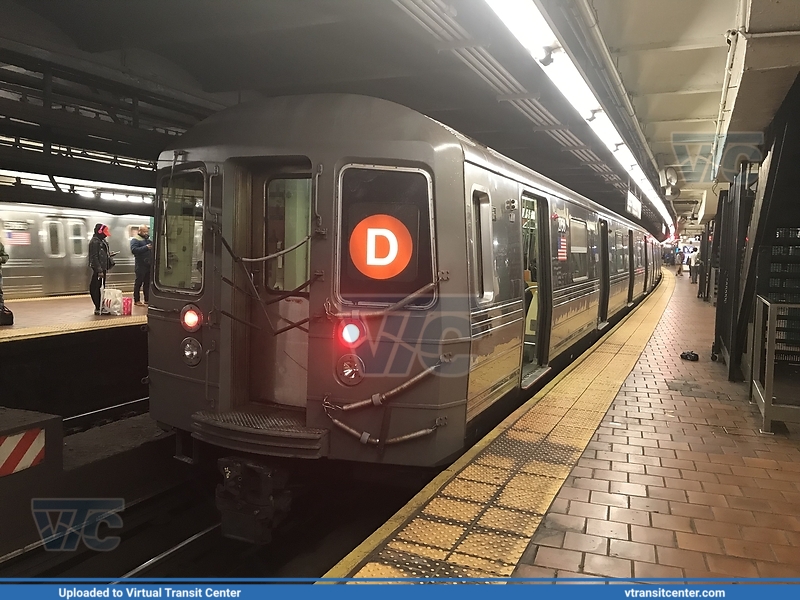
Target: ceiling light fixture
527,23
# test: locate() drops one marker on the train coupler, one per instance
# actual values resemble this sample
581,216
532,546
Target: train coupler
252,499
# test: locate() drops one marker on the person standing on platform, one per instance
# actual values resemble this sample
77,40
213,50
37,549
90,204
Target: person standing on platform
100,262
679,262
3,260
693,265
142,250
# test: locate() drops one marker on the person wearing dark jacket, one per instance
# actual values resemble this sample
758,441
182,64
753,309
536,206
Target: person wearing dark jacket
142,250
100,262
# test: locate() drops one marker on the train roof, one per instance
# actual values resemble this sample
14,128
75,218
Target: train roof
301,121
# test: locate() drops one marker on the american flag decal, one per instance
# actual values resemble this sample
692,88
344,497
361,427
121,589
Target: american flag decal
562,248
17,238
21,451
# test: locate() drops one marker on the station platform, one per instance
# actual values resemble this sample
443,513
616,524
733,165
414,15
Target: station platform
42,317
60,358
630,463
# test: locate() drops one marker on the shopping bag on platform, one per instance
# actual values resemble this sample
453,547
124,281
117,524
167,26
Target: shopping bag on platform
112,300
127,306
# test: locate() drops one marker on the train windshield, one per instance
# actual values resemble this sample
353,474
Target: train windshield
180,235
386,244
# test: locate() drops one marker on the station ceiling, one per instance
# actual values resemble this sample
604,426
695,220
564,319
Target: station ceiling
144,70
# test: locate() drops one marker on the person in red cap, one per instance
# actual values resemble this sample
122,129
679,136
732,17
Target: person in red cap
100,262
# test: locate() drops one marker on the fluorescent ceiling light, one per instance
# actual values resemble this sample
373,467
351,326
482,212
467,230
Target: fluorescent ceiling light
524,19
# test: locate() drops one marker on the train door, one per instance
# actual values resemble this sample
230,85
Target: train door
631,266
605,278
77,251
54,256
646,252
534,307
281,225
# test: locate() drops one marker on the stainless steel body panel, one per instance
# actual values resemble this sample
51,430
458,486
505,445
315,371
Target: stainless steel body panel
48,249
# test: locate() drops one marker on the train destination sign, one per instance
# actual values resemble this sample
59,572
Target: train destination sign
381,246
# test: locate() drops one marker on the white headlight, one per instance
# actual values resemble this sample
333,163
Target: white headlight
192,352
350,369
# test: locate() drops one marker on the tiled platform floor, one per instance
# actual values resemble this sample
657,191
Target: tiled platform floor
677,481
44,316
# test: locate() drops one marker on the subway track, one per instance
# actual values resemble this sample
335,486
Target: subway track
177,534
101,416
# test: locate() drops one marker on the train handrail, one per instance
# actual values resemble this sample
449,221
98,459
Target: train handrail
380,398
279,253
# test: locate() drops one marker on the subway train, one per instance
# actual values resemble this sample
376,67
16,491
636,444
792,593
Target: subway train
341,278
48,249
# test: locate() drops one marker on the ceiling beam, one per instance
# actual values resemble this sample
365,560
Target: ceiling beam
710,89
28,131
29,195
29,161
83,125
84,65
699,44
683,120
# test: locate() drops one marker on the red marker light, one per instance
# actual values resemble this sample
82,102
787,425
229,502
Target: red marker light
191,318
351,333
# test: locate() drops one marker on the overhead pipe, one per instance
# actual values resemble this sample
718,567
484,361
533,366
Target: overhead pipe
732,35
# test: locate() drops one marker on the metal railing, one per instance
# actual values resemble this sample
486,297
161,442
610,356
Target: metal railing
764,348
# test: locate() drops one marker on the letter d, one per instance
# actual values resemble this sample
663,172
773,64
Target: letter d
372,259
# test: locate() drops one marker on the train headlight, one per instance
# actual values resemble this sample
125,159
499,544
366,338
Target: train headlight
192,351
350,369
351,333
191,318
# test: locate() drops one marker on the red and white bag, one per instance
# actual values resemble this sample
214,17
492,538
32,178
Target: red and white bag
112,301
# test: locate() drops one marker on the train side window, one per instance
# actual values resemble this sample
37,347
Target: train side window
530,239
484,246
625,252
179,244
288,224
77,238
54,239
620,250
579,250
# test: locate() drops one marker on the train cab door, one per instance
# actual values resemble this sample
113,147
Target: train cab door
605,279
281,224
535,343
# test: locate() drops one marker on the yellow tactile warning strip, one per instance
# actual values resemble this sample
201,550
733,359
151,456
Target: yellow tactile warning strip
477,517
28,333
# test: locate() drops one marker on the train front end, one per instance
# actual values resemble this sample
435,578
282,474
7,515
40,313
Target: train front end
304,306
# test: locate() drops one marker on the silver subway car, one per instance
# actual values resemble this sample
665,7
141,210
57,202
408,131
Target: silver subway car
339,277
48,249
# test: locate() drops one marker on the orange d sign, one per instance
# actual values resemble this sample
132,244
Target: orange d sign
381,247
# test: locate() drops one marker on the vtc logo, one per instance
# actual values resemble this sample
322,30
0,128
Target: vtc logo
693,154
64,522
402,340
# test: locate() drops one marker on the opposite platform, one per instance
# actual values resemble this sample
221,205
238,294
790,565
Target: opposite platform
43,317
477,517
